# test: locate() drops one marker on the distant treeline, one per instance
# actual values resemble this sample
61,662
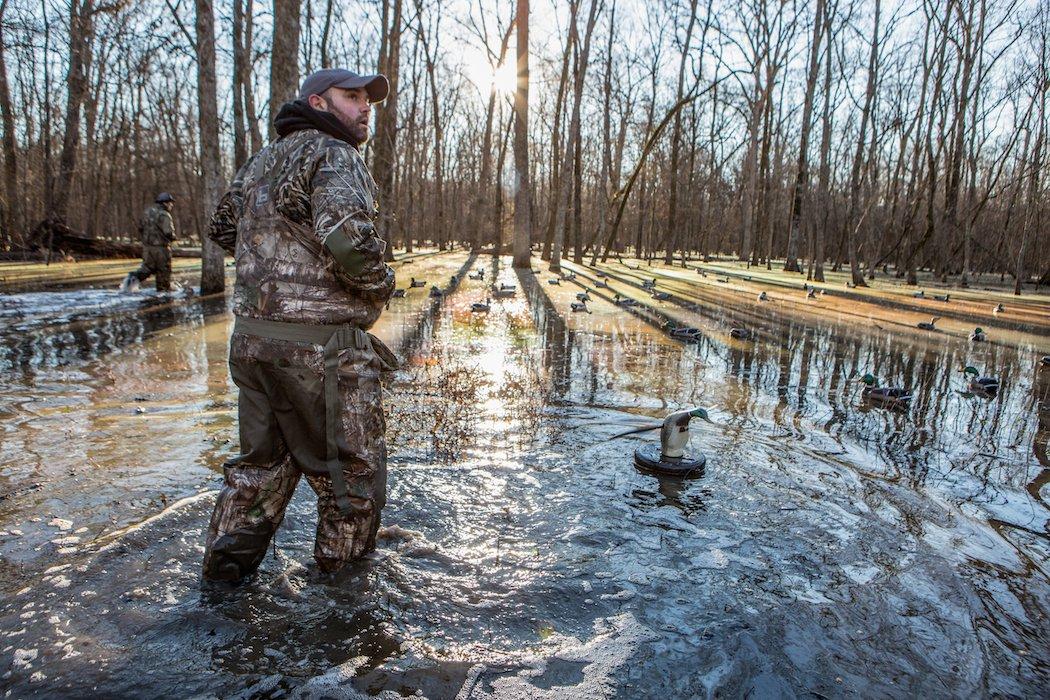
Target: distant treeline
838,133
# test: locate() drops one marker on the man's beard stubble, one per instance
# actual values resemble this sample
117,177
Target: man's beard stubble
357,129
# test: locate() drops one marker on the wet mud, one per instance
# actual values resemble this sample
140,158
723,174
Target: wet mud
833,547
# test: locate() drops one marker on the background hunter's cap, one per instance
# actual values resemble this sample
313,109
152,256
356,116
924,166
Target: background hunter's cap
164,197
317,82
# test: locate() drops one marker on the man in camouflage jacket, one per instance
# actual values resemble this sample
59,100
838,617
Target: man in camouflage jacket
311,278
158,233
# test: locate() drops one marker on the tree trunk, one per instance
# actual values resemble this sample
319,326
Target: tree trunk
284,59
12,221
853,220
212,269
240,138
802,167
676,143
522,190
384,144
81,32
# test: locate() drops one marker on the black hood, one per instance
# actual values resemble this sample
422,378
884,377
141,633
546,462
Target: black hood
298,115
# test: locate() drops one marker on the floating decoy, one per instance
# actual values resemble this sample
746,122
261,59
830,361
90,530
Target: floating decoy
554,280
504,287
946,297
986,386
671,458
1045,361
661,296
928,325
978,335
499,293
454,280
649,284
584,296
479,275
887,396
684,332
623,301
601,284
811,294
723,280
851,285
569,276
747,278
416,283
919,294
701,272
600,275
741,333
579,306
762,296
998,309
478,307
435,291
398,293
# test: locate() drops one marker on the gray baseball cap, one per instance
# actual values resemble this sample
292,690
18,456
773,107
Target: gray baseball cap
377,86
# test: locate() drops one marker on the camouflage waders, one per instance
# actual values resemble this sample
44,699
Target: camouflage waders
310,280
158,232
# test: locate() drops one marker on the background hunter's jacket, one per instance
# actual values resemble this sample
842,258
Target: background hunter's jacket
299,218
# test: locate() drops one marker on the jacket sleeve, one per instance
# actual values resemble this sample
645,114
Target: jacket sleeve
344,209
167,226
223,226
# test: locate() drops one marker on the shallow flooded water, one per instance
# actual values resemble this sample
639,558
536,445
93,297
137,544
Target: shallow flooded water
833,547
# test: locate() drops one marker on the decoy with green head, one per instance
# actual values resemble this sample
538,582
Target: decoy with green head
674,431
890,397
983,386
478,307
978,335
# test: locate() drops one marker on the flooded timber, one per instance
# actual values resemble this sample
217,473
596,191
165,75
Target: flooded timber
833,548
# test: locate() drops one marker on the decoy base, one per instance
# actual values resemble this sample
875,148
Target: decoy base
649,459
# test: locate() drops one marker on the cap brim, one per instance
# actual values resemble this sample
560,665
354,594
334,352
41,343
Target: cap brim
377,86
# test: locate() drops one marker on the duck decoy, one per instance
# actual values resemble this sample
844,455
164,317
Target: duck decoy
762,296
741,333
978,335
723,280
622,301
851,285
504,287
600,275
985,386
892,397
999,308
554,280
435,291
1045,361
584,296
649,284
414,283
579,306
661,296
398,293
478,307
811,294
686,332
601,284
946,297
670,457
500,293
919,294
454,280
479,275
928,325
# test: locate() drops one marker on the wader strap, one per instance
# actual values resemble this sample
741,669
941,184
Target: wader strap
333,339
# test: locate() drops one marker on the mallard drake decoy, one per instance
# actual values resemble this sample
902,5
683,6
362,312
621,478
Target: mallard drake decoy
999,308
661,296
649,284
978,384
919,294
762,296
500,293
1045,361
978,335
723,280
579,307
479,275
811,294
600,275
601,284
622,301
946,297
685,332
583,296
554,280
398,293
569,276
888,396
504,287
928,325
414,283
741,333
478,307
435,291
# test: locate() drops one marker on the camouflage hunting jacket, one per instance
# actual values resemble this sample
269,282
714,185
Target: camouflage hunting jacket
158,228
299,217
